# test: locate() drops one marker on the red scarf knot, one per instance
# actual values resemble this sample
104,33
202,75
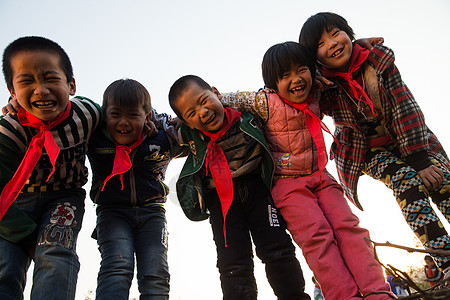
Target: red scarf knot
43,139
314,125
122,161
218,165
359,56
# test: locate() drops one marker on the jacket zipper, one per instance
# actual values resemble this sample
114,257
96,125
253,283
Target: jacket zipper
267,150
133,194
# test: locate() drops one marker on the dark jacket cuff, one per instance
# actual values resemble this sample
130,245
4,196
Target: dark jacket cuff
418,160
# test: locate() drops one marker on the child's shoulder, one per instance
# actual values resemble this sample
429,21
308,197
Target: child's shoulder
10,129
87,108
11,125
8,118
381,57
86,102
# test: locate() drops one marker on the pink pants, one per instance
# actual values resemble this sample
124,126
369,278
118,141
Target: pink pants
322,224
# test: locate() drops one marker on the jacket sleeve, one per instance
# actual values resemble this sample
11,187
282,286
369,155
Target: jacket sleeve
94,108
15,225
407,124
12,151
252,102
189,184
162,121
177,147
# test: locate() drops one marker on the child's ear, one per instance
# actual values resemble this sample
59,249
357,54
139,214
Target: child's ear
216,92
72,87
148,117
12,93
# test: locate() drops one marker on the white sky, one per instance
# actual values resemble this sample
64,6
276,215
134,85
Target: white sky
156,42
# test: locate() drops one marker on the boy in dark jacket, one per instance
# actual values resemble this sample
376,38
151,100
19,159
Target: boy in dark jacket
229,173
129,163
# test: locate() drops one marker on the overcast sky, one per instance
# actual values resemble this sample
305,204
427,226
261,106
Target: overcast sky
156,42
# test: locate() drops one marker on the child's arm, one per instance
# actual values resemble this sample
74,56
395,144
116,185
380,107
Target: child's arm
11,154
408,124
165,122
370,42
15,224
252,102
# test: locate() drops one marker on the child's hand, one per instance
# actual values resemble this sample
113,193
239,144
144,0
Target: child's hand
176,122
12,107
432,177
370,42
321,82
151,129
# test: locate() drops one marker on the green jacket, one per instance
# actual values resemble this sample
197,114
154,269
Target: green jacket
189,184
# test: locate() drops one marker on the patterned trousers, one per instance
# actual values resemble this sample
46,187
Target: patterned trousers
413,198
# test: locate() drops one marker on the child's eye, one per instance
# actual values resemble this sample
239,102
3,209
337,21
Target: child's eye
285,75
336,32
320,44
24,81
53,79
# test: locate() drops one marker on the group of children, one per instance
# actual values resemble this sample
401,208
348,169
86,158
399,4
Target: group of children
256,165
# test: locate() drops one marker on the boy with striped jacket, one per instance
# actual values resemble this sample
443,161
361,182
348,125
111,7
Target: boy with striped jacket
42,159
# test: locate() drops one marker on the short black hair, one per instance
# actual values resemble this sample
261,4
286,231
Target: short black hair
315,25
180,85
281,58
34,43
428,258
127,93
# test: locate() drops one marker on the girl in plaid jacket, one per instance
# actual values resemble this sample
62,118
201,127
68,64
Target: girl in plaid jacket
381,129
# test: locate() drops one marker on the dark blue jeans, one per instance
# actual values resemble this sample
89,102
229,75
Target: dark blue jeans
253,217
59,216
123,232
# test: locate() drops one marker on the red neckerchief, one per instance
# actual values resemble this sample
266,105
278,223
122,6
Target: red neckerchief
218,165
430,272
43,139
314,125
359,56
122,162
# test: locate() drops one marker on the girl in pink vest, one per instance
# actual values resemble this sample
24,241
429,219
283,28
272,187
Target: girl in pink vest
309,198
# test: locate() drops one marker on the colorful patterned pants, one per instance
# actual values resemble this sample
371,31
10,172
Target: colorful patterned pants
413,198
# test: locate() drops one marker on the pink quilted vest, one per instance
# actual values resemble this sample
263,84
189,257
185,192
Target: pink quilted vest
289,139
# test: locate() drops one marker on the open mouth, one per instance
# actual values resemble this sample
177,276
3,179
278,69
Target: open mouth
211,119
298,89
44,104
337,52
123,131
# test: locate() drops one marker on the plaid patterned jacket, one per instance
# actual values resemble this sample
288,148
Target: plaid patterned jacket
403,121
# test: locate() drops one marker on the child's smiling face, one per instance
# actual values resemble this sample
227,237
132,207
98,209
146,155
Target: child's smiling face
201,108
295,84
39,84
125,124
334,50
